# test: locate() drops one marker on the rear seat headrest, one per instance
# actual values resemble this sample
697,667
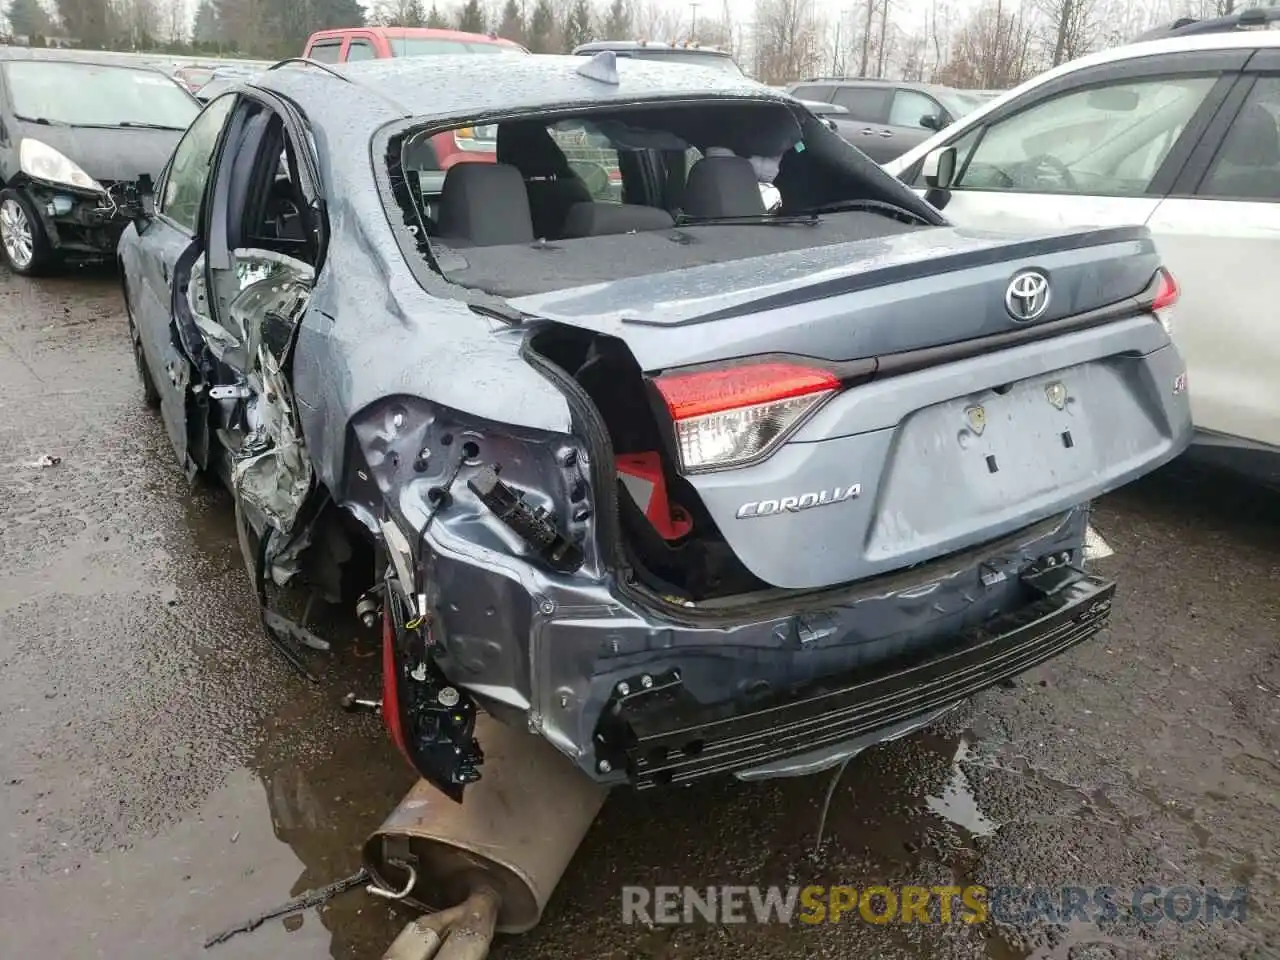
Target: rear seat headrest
484,205
719,186
600,219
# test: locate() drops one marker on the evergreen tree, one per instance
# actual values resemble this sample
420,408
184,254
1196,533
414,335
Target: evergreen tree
617,22
414,15
577,29
437,20
542,27
88,21
512,25
28,19
205,29
471,17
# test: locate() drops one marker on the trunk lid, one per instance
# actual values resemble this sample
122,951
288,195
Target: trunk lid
920,459
852,300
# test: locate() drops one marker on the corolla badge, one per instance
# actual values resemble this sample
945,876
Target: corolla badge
1027,296
805,501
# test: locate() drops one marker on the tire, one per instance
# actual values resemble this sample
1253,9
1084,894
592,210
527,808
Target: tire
150,395
23,242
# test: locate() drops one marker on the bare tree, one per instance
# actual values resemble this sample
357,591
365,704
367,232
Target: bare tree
788,40
1068,28
655,21
400,13
992,49
177,19
865,62
882,50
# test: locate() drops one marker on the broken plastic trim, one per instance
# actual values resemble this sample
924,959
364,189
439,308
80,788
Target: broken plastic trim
431,721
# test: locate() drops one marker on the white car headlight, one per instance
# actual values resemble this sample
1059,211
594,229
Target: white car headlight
39,160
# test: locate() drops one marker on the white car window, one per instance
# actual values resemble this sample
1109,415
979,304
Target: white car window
1106,140
909,106
1247,165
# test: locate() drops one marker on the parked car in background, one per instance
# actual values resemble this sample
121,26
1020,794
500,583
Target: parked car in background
376,43
1182,135
440,153
76,133
891,116
193,77
222,79
722,493
687,52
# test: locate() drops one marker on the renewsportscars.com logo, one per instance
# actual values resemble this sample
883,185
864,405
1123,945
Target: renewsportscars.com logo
881,904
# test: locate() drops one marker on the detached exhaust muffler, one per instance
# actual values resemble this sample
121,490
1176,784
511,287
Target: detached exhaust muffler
490,863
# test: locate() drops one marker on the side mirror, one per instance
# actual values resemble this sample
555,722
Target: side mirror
144,200
940,168
931,122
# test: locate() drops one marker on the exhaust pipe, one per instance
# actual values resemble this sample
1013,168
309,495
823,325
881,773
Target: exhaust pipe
491,862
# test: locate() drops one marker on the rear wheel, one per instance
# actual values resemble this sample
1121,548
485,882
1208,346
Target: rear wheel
22,238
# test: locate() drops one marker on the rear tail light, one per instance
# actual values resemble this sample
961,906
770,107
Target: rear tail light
736,415
1167,294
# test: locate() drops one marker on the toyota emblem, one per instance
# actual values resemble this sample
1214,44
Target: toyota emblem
1027,297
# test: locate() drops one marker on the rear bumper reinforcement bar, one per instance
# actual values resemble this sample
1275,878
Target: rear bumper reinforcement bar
671,738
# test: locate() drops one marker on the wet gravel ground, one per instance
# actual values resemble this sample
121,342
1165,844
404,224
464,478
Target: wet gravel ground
163,775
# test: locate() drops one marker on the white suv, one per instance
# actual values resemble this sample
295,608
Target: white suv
1182,135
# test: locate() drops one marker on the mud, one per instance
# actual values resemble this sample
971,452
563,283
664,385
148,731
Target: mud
164,775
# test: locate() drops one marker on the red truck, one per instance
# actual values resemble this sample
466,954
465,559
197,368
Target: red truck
376,43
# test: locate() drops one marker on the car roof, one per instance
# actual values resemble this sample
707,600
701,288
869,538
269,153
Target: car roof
1254,18
93,58
871,82
416,33
462,84
1238,39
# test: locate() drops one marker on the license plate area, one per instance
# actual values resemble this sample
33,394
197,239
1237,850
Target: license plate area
1009,442
959,469
1030,436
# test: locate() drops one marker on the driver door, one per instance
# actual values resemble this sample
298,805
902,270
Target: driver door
163,244
1097,148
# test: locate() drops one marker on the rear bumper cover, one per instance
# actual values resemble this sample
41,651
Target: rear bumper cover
848,669
673,739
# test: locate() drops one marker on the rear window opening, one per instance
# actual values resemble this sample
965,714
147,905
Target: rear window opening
669,539
632,191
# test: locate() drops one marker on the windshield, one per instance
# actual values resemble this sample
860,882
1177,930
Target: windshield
94,95
427,46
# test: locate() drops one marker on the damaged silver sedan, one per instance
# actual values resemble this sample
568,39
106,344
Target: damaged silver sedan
685,484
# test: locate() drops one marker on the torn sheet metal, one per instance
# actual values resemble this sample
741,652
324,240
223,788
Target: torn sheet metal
271,472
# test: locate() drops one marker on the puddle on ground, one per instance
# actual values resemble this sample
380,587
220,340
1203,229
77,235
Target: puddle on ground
956,803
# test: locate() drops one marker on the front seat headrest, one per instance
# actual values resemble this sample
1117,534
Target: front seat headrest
484,205
720,186
529,146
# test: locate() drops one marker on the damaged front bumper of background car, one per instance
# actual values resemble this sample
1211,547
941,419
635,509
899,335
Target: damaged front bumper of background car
484,610
83,223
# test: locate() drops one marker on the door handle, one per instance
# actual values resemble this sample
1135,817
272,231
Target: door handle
866,131
886,133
